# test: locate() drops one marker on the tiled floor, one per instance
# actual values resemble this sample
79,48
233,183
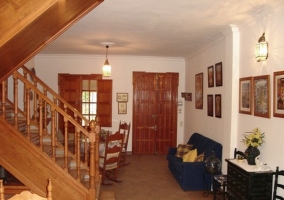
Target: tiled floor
147,177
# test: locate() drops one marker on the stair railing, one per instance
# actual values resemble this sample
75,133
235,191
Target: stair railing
84,140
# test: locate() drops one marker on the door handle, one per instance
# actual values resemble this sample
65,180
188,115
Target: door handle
154,127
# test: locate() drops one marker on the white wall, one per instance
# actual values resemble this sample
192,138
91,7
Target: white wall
273,27
48,66
230,128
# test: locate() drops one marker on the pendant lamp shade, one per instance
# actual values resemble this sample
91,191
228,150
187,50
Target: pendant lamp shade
106,67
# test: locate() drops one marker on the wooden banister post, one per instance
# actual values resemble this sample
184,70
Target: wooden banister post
93,148
49,190
1,190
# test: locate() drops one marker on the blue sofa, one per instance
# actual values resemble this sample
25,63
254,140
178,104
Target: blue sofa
192,175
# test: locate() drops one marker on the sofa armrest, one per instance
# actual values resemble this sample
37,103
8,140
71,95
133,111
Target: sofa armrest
172,151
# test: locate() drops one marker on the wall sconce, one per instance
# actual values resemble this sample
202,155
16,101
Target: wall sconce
106,67
261,52
179,106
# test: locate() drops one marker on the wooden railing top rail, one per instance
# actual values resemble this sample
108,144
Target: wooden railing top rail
54,94
51,103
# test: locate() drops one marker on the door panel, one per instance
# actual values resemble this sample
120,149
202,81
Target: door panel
70,90
104,109
154,112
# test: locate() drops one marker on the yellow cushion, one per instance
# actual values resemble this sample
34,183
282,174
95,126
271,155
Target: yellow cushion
190,156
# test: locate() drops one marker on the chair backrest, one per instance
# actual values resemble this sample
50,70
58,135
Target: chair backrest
124,128
278,185
113,148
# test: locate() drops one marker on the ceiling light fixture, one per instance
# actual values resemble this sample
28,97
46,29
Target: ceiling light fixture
261,52
106,67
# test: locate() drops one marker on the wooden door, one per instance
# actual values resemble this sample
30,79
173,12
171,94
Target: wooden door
104,109
70,90
154,112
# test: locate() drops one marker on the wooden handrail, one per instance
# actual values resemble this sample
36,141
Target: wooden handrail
54,94
80,132
67,117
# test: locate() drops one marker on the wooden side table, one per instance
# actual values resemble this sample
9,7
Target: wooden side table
245,182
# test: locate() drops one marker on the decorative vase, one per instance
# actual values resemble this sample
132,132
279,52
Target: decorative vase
251,154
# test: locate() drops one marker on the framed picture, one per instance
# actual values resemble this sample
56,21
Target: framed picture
245,95
210,105
278,94
210,76
122,97
219,74
188,97
261,96
199,91
122,108
218,106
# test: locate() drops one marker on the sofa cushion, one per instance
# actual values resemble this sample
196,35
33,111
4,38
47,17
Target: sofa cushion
182,149
199,158
190,156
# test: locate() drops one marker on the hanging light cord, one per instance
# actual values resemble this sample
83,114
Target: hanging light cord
106,50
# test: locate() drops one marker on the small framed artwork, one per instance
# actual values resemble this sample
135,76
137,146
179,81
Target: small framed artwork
210,76
199,91
210,105
188,97
218,106
261,96
278,94
219,74
245,95
122,108
122,97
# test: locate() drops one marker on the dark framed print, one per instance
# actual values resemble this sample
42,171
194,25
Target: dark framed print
199,91
278,94
188,97
245,95
122,97
261,96
210,105
219,74
218,106
122,108
210,76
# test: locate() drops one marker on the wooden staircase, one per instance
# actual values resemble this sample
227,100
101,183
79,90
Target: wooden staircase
30,146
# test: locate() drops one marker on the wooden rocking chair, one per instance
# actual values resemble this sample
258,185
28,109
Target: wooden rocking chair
124,128
110,158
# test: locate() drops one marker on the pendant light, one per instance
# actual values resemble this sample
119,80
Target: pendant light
106,67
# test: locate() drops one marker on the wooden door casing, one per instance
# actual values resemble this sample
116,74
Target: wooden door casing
154,112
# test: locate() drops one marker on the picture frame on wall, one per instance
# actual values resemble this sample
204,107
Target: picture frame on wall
278,94
261,88
245,95
210,105
218,106
122,108
199,91
218,74
210,72
122,97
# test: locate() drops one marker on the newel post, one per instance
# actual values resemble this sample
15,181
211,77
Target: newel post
94,155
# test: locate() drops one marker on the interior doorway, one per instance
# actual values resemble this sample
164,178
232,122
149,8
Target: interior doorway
154,112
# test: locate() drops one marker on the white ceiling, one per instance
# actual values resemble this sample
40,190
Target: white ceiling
168,28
